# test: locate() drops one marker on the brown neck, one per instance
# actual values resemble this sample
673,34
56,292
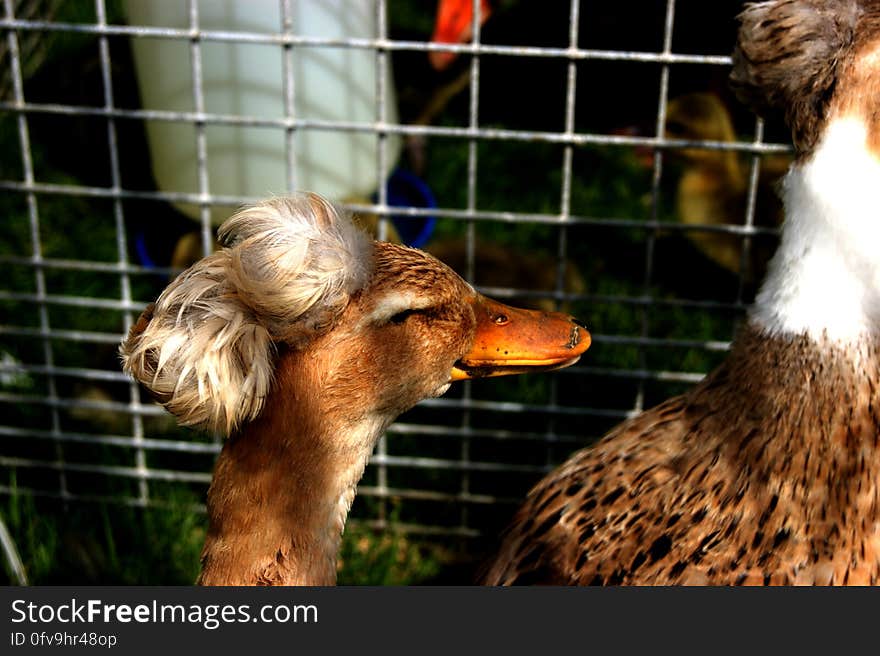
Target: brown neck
797,418
282,488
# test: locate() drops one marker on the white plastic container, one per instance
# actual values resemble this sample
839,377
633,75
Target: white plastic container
246,79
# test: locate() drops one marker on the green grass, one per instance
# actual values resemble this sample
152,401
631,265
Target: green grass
106,544
387,557
109,544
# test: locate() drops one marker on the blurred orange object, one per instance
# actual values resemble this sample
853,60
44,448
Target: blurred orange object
453,25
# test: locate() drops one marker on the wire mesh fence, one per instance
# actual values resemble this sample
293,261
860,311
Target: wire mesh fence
575,156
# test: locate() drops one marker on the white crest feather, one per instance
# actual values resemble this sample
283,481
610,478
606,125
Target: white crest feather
207,350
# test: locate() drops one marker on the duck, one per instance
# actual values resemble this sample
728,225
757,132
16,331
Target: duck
767,471
713,185
301,340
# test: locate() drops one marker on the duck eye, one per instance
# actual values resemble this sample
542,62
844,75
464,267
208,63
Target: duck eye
402,316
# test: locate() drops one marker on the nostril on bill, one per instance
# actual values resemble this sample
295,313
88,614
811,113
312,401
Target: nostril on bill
574,337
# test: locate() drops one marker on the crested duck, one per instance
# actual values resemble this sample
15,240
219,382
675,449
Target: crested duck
712,188
767,471
302,340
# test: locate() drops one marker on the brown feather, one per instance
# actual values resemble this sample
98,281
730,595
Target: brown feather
759,475
787,56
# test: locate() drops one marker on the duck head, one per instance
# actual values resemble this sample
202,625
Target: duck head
416,327
378,325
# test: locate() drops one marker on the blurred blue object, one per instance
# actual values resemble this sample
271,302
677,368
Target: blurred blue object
140,245
405,189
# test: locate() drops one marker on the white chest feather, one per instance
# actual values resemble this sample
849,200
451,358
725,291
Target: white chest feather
825,277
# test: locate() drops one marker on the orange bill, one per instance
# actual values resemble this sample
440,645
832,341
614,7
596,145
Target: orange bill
509,340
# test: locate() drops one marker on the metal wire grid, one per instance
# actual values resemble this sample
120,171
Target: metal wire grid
63,462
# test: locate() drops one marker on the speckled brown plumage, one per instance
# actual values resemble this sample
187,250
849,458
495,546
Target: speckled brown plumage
758,475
